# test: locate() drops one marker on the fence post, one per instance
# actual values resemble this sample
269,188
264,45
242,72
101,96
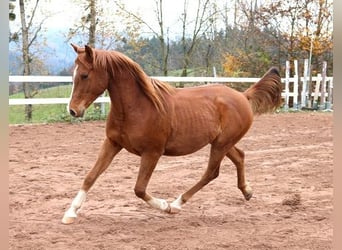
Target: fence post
316,94
214,71
287,80
323,86
295,85
330,94
305,82
103,109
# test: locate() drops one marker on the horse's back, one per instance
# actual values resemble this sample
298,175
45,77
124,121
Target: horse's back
215,96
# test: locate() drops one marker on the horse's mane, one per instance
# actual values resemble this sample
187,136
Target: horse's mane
117,63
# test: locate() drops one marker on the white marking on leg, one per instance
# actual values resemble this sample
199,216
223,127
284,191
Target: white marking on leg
176,205
72,86
159,204
75,206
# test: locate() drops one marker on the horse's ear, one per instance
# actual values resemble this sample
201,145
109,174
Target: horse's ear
75,47
89,53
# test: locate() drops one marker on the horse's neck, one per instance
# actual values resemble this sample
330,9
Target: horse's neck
126,96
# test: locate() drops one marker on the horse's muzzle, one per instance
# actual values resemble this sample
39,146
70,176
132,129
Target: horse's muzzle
74,113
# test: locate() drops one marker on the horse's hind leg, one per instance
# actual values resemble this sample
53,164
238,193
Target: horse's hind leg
107,153
212,171
237,157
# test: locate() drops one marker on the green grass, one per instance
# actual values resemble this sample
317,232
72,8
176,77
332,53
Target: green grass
48,113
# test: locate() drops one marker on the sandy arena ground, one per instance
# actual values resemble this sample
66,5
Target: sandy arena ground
289,164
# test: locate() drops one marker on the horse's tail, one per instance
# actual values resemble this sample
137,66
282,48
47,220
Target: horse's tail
265,95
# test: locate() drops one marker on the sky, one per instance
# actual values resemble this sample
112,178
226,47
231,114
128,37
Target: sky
172,10
65,13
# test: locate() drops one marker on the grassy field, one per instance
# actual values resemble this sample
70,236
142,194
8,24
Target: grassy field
52,112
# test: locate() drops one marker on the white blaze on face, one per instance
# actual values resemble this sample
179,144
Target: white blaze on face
72,87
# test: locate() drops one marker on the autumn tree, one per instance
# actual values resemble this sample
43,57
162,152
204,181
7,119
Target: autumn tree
316,39
305,25
250,44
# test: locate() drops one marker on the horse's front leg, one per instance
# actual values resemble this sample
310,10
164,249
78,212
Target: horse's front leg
147,166
105,157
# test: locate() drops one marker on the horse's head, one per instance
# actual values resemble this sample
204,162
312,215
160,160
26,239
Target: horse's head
89,81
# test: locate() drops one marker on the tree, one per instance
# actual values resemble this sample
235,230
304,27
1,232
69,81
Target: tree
317,38
305,27
87,24
200,24
11,14
92,23
12,17
29,34
160,33
251,51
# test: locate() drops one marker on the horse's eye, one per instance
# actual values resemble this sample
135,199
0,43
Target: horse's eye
84,76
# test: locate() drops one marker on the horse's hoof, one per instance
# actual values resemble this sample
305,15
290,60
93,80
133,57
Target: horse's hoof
174,209
68,220
248,196
176,205
248,193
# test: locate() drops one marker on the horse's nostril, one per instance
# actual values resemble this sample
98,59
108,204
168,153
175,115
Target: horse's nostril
72,112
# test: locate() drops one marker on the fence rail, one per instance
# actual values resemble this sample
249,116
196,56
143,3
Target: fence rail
294,87
68,79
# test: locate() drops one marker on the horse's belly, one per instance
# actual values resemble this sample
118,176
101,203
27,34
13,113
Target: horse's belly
177,150
189,141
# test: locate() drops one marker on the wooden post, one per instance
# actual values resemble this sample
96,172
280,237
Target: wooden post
323,86
295,85
287,81
103,108
309,87
304,85
317,88
330,94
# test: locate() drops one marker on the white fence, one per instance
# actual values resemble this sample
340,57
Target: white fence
294,87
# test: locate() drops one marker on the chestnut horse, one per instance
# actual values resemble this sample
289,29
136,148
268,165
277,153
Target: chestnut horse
150,118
